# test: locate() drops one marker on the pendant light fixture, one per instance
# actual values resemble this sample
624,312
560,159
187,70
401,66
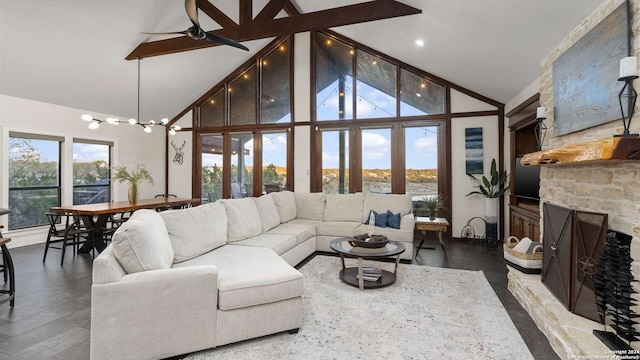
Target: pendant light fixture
147,126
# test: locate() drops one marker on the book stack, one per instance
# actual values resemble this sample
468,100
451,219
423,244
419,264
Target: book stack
370,274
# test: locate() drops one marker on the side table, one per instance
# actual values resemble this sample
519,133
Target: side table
425,224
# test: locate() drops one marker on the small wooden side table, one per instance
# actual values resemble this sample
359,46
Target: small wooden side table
425,224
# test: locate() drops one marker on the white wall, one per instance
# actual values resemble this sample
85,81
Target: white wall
302,111
180,175
464,103
131,146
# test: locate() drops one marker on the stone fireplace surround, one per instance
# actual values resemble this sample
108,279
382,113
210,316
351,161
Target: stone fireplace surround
611,187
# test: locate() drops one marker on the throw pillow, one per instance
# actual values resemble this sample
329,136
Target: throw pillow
268,212
142,243
380,219
197,230
393,220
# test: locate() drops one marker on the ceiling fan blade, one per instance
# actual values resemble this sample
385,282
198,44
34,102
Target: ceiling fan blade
192,11
226,41
166,33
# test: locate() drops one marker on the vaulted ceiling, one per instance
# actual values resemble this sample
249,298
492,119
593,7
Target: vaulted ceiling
72,52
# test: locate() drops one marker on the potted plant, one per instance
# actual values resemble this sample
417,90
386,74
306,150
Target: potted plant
491,189
134,177
432,203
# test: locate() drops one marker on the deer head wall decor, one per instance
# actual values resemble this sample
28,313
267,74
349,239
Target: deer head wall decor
179,157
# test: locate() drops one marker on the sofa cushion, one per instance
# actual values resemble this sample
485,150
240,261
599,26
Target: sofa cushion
397,203
268,212
338,228
142,243
249,276
393,220
310,205
286,204
346,207
243,219
300,230
379,220
280,243
197,230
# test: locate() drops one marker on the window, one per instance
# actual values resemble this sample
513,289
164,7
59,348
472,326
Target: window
335,161
334,79
241,165
375,87
275,95
274,161
421,161
242,98
376,160
420,96
212,150
91,172
34,178
212,111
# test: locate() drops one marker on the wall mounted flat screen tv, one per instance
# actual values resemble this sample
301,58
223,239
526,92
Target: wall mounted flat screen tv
526,181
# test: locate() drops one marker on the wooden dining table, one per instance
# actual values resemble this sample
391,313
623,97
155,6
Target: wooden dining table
95,216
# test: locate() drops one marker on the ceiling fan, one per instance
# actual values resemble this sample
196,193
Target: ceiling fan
196,33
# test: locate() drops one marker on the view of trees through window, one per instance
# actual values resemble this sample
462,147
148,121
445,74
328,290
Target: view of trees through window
34,180
274,161
91,173
376,161
212,157
335,161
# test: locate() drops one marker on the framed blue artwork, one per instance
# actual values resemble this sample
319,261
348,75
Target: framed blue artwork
473,149
585,86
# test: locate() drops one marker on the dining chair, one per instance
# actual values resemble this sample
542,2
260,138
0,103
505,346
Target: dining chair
66,229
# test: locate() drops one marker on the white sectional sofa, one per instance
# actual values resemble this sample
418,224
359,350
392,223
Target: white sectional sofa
186,280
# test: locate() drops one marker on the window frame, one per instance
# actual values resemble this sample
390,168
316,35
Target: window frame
34,136
109,160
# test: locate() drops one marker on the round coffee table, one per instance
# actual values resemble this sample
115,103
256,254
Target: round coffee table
367,278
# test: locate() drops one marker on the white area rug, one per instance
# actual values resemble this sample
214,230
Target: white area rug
428,313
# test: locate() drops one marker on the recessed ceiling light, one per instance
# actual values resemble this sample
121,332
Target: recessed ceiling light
420,43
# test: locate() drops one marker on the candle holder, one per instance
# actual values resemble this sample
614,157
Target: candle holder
541,132
628,97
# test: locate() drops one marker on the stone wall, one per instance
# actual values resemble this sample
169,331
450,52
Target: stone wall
612,188
607,187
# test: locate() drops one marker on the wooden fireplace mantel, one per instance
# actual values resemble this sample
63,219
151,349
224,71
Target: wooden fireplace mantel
614,148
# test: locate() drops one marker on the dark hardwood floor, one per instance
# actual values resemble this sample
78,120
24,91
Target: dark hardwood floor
51,318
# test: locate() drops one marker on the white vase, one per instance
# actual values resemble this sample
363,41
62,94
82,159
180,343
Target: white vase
491,210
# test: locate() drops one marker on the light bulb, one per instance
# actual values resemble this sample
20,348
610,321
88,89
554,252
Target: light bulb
147,129
152,122
176,127
164,121
112,121
133,121
86,117
172,132
94,125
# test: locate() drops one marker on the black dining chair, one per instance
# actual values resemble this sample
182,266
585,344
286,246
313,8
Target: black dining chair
3,266
65,229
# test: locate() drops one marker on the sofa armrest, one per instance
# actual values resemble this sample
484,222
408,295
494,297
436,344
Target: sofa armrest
176,308
407,222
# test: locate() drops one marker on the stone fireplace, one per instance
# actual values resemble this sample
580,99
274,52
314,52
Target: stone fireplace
609,187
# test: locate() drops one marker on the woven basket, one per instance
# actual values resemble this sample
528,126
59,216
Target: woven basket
512,241
377,241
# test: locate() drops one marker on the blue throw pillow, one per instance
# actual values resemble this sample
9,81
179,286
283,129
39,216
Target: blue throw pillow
393,220
381,219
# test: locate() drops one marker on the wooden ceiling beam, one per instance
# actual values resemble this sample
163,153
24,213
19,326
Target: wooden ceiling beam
246,11
324,19
291,9
270,10
216,15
